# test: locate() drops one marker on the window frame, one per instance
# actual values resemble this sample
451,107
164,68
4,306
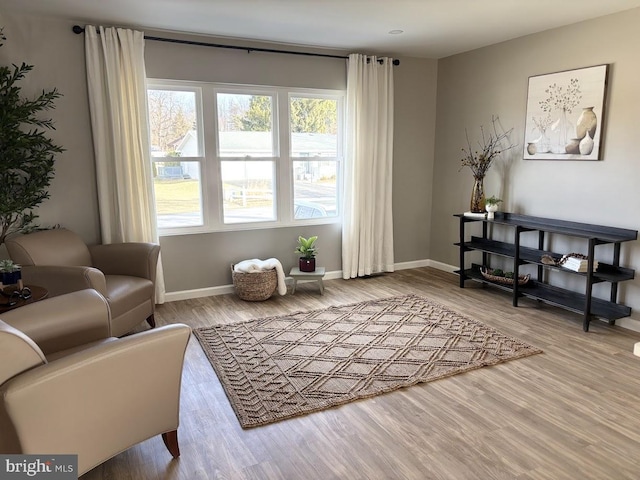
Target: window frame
283,180
275,150
340,149
180,86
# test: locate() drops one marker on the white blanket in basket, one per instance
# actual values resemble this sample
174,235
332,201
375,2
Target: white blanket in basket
257,265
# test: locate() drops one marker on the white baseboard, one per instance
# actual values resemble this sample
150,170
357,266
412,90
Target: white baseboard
197,293
413,264
445,267
224,289
629,323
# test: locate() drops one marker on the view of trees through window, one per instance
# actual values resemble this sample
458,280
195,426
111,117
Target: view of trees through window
314,151
314,115
246,147
177,186
171,115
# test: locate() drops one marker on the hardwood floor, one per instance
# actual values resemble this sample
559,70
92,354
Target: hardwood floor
572,412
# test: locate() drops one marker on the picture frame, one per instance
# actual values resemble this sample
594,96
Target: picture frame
565,114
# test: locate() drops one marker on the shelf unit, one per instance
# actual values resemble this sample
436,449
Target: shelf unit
536,288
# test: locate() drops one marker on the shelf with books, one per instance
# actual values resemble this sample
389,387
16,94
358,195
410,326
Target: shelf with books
594,271
604,273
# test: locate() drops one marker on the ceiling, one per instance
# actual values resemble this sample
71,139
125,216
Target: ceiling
431,28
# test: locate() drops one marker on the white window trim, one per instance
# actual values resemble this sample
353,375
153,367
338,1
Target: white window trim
210,162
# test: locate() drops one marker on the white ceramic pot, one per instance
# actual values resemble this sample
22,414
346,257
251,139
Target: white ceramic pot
491,210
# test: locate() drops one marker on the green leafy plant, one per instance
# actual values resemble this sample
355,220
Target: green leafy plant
26,154
7,266
306,247
498,272
492,200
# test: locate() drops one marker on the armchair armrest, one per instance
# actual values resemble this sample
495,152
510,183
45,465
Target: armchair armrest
102,400
63,322
59,280
133,259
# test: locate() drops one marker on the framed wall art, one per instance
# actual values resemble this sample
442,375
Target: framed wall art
565,115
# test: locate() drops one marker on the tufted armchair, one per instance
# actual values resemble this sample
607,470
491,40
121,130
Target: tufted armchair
124,273
67,387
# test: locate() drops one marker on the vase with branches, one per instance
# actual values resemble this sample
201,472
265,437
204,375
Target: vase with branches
26,154
491,144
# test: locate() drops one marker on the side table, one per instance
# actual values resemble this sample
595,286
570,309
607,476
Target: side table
317,275
37,294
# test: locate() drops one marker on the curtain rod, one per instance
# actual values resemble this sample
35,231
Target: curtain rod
77,29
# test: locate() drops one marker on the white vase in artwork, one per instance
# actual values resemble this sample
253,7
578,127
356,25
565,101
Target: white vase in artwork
543,142
587,123
586,145
563,133
573,146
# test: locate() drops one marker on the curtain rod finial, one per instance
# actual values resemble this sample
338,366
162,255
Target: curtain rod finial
77,29
396,62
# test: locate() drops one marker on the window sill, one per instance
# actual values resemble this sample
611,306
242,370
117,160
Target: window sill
173,232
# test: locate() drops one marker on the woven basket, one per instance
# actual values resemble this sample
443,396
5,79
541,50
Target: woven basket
256,286
487,273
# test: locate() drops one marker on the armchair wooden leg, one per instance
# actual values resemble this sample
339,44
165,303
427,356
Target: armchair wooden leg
151,320
170,440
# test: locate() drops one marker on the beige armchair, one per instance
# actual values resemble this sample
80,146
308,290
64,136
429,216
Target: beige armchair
66,387
124,273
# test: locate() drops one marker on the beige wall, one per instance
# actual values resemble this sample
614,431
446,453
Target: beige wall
413,157
202,261
428,188
493,80
58,57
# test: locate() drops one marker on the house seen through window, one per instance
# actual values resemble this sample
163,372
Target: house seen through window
234,156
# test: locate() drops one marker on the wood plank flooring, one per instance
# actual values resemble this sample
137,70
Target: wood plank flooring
572,412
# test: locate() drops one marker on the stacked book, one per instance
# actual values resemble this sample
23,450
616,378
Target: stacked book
475,215
578,264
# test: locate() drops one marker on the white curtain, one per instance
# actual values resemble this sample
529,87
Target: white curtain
119,120
367,230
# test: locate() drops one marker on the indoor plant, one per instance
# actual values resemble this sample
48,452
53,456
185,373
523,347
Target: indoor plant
26,154
10,272
492,205
307,250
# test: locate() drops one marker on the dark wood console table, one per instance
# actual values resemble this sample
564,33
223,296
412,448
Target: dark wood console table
538,289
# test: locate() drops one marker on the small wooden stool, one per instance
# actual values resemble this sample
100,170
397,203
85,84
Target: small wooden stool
317,275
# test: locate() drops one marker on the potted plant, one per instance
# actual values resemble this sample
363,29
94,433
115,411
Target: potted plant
492,206
10,272
26,153
307,250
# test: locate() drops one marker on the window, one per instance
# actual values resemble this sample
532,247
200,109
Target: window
229,157
314,130
176,153
246,152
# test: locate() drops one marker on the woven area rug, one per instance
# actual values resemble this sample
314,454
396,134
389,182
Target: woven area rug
280,367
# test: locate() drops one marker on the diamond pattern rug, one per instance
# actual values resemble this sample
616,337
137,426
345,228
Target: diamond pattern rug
280,367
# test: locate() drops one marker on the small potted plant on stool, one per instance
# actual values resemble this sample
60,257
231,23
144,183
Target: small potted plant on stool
308,253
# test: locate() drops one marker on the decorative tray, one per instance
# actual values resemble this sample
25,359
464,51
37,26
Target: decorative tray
489,274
